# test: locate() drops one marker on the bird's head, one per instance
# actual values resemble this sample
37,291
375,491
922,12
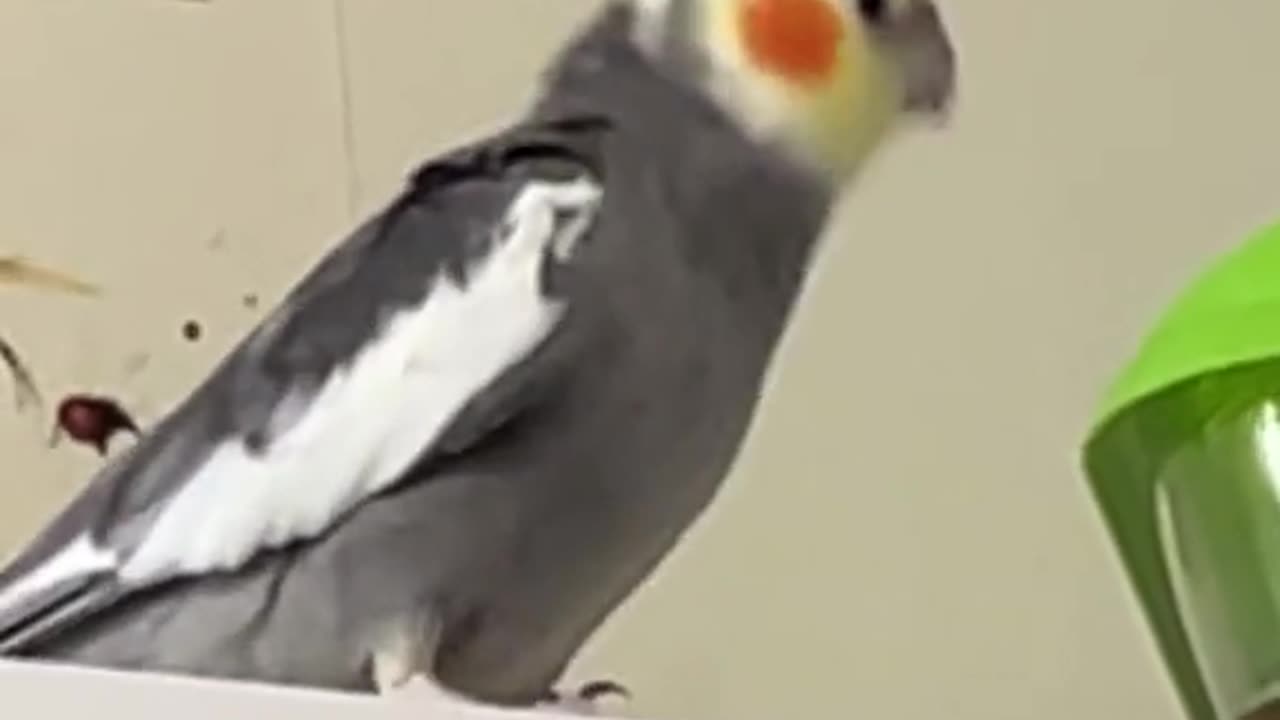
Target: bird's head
825,79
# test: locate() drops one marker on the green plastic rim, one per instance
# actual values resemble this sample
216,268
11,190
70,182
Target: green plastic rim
1172,459
1228,317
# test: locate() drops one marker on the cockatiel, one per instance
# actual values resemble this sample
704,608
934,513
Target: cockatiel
486,416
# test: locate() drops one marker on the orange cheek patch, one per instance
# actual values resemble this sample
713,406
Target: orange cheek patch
797,39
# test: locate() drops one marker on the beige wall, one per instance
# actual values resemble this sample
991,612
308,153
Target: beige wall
907,535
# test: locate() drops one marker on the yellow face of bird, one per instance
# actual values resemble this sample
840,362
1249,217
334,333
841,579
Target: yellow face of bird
827,79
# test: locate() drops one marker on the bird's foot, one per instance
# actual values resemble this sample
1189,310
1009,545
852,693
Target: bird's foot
590,699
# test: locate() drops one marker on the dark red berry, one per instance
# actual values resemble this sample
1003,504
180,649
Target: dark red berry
93,420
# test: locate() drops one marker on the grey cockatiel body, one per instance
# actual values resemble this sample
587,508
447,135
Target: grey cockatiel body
666,274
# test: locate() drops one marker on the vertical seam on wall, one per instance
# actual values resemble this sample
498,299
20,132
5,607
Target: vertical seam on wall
346,109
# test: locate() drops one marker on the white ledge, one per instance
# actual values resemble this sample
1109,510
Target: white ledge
56,692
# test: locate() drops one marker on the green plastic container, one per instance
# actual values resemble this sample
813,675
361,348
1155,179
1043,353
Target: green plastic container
1184,461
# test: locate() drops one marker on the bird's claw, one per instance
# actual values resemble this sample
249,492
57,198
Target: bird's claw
587,699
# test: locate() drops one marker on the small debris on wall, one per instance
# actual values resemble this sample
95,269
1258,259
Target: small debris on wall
191,330
92,420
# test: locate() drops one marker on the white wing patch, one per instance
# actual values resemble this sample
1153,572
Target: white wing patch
369,422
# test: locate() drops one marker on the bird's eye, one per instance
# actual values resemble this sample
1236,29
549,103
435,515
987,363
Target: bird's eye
873,10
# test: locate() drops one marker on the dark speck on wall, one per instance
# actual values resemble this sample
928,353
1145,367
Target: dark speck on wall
250,301
191,330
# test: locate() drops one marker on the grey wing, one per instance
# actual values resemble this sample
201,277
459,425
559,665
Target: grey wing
432,324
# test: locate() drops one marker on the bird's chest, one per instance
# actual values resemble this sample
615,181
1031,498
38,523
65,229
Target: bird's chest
673,401
635,450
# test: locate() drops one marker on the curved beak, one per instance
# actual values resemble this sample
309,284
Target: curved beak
927,57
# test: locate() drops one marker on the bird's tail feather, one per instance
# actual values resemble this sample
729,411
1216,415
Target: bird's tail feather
37,618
